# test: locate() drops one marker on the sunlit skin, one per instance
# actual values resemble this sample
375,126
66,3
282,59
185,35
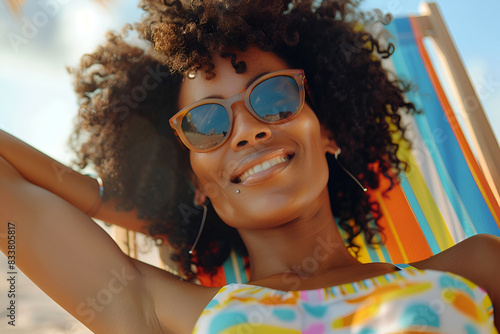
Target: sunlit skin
283,212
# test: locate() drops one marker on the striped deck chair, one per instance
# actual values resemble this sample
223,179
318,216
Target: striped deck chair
449,193
445,197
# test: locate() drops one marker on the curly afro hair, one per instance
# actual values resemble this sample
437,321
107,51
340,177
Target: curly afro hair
128,93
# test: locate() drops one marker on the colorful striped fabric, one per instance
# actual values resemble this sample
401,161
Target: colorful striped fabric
405,301
444,197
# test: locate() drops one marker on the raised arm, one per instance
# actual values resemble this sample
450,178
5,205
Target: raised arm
79,266
81,191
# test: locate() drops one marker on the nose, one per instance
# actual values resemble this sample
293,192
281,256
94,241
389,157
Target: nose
247,130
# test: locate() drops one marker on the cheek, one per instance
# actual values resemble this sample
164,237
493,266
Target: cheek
218,190
212,180
314,150
310,131
204,171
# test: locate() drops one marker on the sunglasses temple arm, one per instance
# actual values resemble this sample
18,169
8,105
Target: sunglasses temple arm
309,93
180,140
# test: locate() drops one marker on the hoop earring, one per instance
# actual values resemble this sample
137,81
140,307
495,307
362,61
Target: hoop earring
337,153
200,230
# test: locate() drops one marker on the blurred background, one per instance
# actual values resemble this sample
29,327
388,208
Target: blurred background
40,38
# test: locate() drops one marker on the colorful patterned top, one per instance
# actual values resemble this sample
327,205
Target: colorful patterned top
405,301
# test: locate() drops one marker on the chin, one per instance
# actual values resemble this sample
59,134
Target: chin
271,211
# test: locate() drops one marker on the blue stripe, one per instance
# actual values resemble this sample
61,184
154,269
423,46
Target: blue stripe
243,272
229,271
372,253
386,254
452,167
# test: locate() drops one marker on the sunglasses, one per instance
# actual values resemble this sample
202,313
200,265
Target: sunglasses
273,98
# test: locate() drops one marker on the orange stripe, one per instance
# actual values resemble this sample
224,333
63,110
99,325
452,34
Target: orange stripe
219,279
246,260
406,224
469,156
392,242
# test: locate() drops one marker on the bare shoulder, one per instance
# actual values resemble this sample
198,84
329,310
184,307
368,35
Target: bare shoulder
177,304
476,258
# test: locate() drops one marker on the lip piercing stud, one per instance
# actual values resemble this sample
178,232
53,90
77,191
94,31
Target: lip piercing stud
238,191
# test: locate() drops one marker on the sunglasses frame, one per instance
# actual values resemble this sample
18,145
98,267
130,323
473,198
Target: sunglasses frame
176,120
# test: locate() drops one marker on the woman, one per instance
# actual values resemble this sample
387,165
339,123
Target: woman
262,143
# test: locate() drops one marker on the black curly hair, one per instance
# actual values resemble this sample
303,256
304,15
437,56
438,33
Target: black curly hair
128,93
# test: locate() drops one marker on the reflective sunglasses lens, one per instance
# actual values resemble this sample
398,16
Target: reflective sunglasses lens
206,126
276,98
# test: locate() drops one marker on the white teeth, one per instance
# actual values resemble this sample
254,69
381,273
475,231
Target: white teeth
263,166
258,168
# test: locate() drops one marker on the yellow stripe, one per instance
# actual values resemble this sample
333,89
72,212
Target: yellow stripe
236,267
381,254
363,255
360,241
259,328
426,200
349,288
382,279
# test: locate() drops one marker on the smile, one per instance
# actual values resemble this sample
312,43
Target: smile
261,167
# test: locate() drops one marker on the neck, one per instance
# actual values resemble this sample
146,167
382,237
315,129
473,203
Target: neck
306,246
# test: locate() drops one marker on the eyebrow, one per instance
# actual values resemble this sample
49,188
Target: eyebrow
249,83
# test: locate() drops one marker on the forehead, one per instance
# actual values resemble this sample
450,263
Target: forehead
227,82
